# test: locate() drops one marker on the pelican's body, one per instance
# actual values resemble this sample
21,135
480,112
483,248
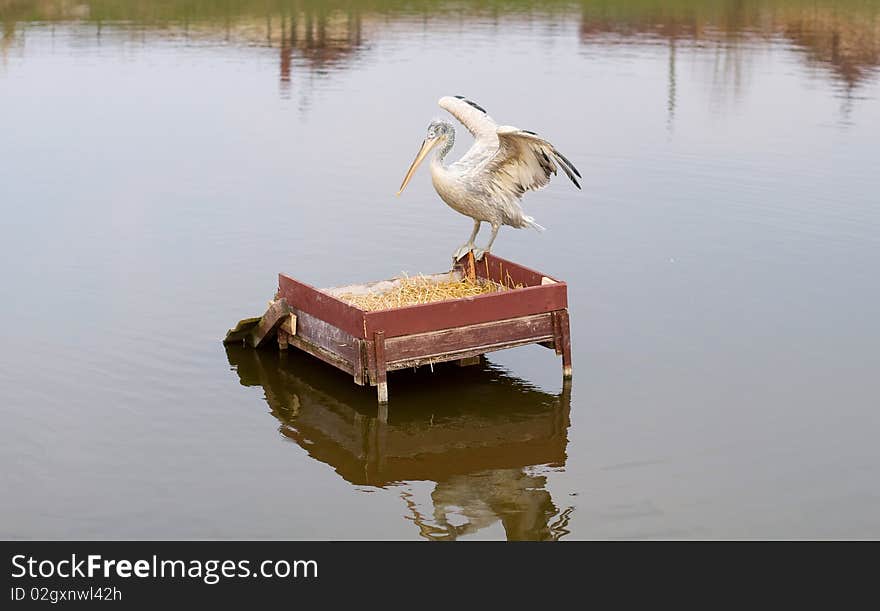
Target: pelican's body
487,183
464,190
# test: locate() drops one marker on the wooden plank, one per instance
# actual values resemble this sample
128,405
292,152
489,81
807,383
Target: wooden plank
370,350
327,336
273,317
241,331
537,297
557,334
310,300
485,308
565,333
381,371
255,332
436,343
360,364
289,325
454,356
318,352
507,272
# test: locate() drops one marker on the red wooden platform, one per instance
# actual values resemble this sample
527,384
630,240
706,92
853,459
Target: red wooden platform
368,344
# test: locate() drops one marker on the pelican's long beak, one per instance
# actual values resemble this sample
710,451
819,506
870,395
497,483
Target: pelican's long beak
427,145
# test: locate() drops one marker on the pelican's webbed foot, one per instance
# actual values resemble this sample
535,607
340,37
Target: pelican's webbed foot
462,252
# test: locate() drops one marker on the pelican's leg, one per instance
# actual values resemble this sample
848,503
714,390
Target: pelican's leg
479,252
466,248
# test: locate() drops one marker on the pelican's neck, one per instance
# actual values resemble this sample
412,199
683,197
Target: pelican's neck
444,150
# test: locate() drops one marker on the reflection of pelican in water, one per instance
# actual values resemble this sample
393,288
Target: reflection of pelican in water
483,441
464,504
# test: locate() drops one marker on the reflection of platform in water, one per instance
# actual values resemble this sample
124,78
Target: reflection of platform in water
457,421
475,431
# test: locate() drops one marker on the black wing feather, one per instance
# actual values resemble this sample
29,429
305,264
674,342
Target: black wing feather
472,103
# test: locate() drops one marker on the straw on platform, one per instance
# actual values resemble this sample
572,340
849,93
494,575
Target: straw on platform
419,289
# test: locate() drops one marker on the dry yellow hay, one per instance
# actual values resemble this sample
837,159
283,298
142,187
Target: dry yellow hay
420,289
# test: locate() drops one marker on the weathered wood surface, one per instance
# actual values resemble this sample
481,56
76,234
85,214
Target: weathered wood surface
536,297
468,311
322,354
321,305
454,356
286,329
288,325
361,365
539,294
483,336
509,273
565,340
557,334
381,376
255,332
369,344
240,331
326,336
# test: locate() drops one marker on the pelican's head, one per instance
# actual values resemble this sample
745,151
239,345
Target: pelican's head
439,132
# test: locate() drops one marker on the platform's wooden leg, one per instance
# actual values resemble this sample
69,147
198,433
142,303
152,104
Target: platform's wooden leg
286,330
565,340
557,335
381,371
360,365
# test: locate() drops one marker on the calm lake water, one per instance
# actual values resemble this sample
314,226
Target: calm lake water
161,162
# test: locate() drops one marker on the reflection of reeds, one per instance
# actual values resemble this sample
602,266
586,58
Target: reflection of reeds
841,34
851,48
844,36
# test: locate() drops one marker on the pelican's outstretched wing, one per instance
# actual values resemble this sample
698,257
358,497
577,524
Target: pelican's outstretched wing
472,116
525,161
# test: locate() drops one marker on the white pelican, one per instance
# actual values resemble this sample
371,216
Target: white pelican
488,182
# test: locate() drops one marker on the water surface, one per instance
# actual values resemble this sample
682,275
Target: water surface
161,162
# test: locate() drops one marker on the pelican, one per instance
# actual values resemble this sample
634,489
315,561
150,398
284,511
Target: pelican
487,183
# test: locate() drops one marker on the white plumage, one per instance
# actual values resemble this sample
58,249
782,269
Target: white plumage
487,183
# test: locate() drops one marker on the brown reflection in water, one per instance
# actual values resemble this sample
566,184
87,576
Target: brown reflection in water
321,41
473,431
843,37
850,48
